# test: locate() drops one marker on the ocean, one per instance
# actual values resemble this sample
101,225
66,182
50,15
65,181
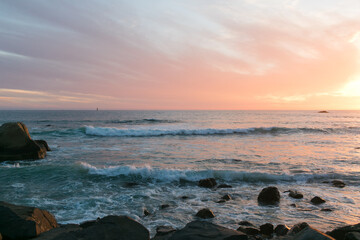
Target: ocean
122,162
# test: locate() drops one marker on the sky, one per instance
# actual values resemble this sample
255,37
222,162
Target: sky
180,54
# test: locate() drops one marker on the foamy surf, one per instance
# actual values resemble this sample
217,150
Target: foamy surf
154,132
175,175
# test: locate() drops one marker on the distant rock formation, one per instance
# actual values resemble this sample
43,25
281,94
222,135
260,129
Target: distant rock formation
16,143
323,112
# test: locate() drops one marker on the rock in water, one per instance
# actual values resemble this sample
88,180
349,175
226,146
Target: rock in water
295,194
20,222
281,230
269,196
205,213
207,183
267,229
16,143
338,183
317,200
297,228
202,230
339,233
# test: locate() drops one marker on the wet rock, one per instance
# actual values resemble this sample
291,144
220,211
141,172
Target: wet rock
205,213
326,210
221,201
60,233
146,212
293,205
203,230
21,222
164,230
207,183
267,229
295,194
16,143
130,184
252,231
338,183
352,236
184,197
43,144
107,228
163,206
269,196
246,223
311,233
339,233
224,186
323,112
226,197
281,230
317,200
297,228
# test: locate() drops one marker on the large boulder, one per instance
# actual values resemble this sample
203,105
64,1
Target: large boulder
16,143
339,233
107,228
269,196
202,230
207,183
311,233
205,213
21,222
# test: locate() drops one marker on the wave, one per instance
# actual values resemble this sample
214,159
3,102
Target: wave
152,132
148,174
142,121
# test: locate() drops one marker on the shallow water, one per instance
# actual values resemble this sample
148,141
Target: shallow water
96,154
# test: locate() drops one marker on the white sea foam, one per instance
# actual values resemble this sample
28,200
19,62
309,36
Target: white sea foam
170,175
152,132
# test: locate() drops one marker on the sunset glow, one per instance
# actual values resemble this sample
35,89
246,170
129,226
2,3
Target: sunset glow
200,54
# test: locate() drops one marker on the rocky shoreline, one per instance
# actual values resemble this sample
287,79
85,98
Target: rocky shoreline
22,222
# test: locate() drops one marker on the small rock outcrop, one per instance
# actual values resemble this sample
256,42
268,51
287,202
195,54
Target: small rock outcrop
207,183
246,223
281,230
202,230
16,143
267,229
269,196
205,213
338,183
21,222
249,230
223,185
317,200
297,228
295,194
323,112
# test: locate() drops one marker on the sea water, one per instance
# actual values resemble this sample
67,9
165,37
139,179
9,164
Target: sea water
122,162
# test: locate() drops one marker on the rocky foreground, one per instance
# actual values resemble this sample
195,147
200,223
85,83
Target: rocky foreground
22,222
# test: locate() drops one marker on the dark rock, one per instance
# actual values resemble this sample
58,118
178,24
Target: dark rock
317,200
21,222
323,112
311,233
88,223
246,223
60,233
184,197
326,210
297,228
130,184
338,183
203,230
205,213
281,230
352,236
43,144
221,201
249,230
224,186
107,228
164,230
267,229
146,212
163,206
269,196
16,143
339,233
295,194
293,205
207,183
226,197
